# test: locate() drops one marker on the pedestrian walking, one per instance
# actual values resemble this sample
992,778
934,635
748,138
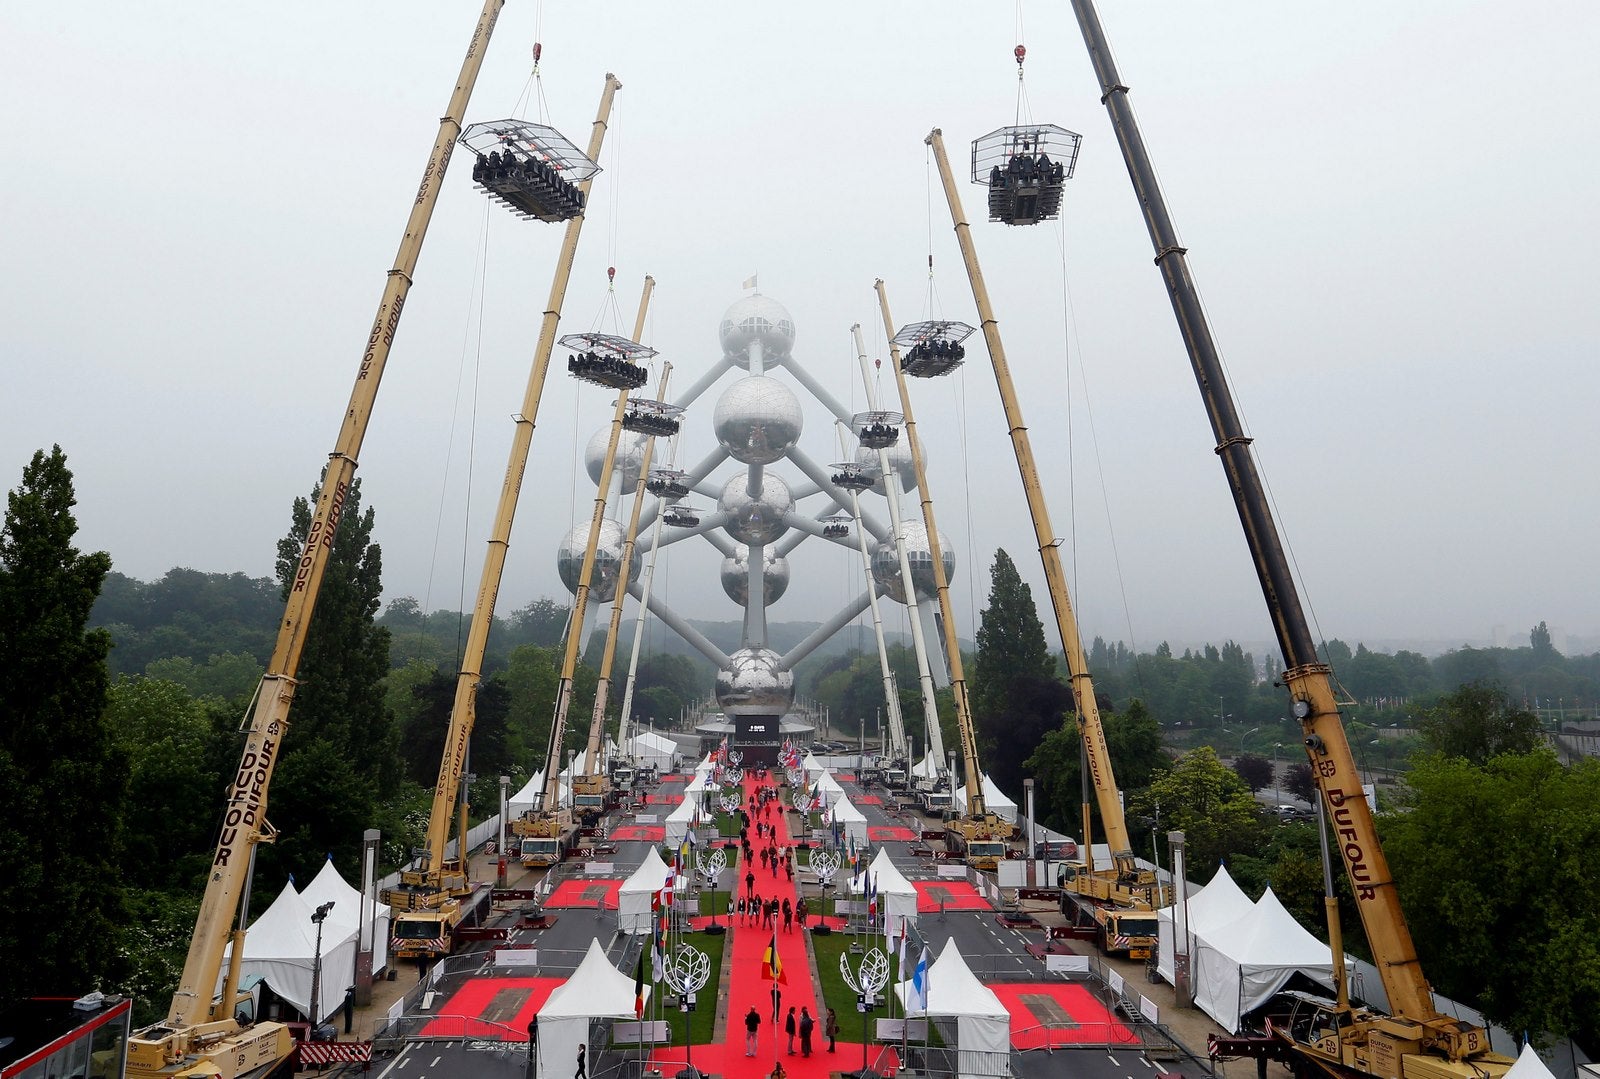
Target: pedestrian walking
831,1029
750,881
777,1003
752,1031
801,909
788,869
582,1052
807,1025
789,1026
788,915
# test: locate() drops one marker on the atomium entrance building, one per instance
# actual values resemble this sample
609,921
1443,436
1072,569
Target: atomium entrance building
770,496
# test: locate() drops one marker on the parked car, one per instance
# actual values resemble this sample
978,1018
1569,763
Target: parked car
1292,813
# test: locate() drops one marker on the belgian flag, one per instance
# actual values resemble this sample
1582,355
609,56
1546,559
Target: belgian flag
771,965
638,988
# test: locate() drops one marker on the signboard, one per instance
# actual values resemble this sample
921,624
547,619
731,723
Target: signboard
894,1030
516,957
1066,964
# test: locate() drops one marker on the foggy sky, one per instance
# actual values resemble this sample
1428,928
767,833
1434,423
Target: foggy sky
1387,207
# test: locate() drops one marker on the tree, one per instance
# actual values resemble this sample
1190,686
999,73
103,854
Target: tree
1216,812
1509,923
1012,661
62,781
1255,771
1477,722
1543,650
1133,740
1298,781
340,751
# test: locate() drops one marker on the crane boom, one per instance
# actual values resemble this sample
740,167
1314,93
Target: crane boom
244,820
1094,739
1307,678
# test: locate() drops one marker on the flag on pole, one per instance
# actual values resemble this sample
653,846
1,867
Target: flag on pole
917,999
872,898
771,965
904,937
750,282
638,988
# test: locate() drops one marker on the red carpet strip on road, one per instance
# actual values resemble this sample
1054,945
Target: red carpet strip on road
955,895
585,893
867,800
889,833
651,833
1051,1013
512,1002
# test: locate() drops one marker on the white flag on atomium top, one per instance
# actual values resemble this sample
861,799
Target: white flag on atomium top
750,282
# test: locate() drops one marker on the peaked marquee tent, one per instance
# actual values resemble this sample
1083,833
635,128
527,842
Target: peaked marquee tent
897,899
633,898
983,1026
1218,903
349,911
526,798
1239,965
653,749
596,990
852,822
993,800
281,946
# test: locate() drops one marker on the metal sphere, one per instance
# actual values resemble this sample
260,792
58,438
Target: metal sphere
736,575
607,560
757,420
886,563
756,520
753,685
757,318
899,460
630,455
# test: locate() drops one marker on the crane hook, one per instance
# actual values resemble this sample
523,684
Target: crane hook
1021,53
611,273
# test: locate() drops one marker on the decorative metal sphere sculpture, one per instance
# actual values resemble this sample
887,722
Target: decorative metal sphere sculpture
757,420
886,563
753,684
759,519
736,574
607,560
757,318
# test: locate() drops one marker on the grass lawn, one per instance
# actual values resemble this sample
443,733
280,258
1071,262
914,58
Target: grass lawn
703,1019
839,996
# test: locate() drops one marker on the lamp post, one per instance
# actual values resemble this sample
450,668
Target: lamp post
1245,735
1277,783
318,916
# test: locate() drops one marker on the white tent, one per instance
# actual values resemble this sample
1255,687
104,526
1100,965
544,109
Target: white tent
1529,1066
1238,966
653,749
927,768
983,1026
813,767
349,911
1218,903
897,899
852,823
596,990
633,898
680,818
993,800
526,798
281,946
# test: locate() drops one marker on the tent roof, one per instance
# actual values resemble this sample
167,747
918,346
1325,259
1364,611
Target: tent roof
1218,903
284,930
1529,1066
529,794
650,876
927,768
845,813
888,879
994,798
1269,936
596,990
654,741
328,886
954,990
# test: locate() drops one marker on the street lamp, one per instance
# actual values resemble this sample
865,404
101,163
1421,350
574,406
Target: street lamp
318,916
1277,783
1245,735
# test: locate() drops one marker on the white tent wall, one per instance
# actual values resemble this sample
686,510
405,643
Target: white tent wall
596,990
526,798
281,946
349,910
1218,903
633,898
677,822
983,1026
897,898
851,820
1240,965
653,750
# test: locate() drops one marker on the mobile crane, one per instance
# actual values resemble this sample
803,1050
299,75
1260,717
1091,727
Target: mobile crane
1322,1038
212,1034
434,900
1117,902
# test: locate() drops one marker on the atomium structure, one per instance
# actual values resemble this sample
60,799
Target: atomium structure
769,495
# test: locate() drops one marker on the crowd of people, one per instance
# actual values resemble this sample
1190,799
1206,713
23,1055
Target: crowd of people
507,174
612,371
932,357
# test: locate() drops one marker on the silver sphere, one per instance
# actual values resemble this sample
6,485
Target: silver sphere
752,684
736,575
630,455
899,460
607,560
757,318
757,420
886,563
756,520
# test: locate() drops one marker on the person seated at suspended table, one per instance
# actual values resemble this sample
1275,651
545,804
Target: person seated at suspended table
1043,165
996,179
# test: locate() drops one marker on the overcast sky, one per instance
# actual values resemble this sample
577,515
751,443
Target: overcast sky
1388,207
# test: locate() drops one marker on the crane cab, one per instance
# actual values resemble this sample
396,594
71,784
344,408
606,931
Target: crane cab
1025,169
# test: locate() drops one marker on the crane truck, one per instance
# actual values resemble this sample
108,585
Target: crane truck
214,1033
1116,901
1321,1038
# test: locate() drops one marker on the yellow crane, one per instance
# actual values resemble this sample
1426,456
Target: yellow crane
1120,898
1319,1037
432,901
207,1033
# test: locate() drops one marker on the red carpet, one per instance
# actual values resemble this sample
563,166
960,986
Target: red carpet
955,894
867,800
652,833
585,893
890,833
491,1008
1053,1013
663,799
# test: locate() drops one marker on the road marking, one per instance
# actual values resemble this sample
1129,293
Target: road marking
399,1062
1114,1060
435,1063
